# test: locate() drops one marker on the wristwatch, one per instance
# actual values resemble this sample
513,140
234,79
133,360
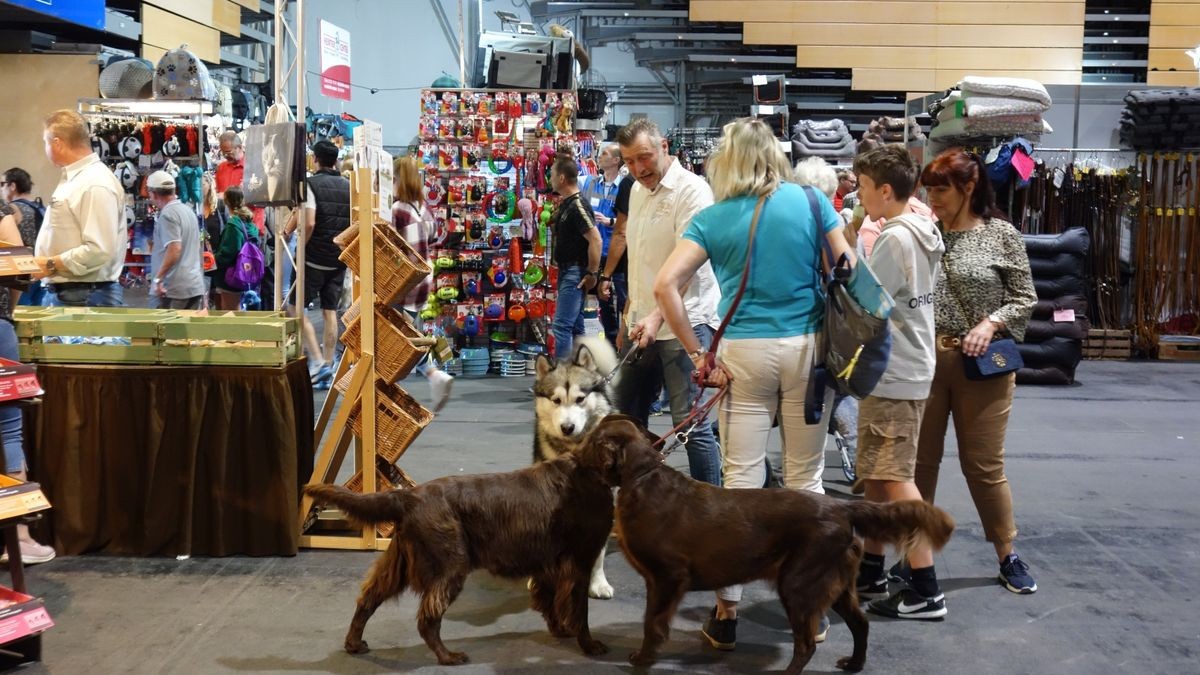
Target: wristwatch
603,278
698,353
51,267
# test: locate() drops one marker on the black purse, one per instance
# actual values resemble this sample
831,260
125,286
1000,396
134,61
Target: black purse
1002,356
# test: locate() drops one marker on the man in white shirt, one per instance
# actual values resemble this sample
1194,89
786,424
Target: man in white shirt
81,246
661,204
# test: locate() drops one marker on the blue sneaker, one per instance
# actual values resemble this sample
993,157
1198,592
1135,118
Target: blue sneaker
1014,574
325,372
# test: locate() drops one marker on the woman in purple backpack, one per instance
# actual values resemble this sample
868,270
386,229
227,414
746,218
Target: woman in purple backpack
233,237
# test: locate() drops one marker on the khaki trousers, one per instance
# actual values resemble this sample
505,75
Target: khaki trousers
980,409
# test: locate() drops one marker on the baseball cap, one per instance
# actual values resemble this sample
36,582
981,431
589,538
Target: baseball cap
160,180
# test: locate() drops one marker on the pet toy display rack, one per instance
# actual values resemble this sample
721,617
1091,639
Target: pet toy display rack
486,157
121,130
381,348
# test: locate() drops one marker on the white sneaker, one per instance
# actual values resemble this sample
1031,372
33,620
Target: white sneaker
440,384
32,553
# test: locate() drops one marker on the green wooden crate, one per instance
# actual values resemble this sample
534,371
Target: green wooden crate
140,329
268,340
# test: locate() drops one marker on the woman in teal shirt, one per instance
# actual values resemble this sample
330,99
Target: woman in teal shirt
767,349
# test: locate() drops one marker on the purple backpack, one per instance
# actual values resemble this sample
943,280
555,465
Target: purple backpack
248,269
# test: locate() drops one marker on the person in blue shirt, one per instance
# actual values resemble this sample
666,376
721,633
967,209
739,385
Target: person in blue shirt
767,350
601,192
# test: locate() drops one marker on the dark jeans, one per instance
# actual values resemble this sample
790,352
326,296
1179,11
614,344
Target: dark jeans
611,309
180,303
568,310
666,361
99,294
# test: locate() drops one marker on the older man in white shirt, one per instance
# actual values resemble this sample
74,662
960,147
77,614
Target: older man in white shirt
81,246
661,205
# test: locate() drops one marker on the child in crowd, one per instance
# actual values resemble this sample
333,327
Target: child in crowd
905,259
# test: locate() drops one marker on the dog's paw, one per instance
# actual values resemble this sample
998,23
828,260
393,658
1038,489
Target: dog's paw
357,647
850,664
453,659
600,589
641,658
593,648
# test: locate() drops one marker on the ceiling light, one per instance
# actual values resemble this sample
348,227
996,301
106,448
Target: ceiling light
732,60
1106,11
1106,34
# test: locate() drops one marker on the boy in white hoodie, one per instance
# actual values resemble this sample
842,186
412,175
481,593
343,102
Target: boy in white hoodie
905,259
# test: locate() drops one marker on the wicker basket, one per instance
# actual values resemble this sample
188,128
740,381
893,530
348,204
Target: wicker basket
399,419
393,479
395,353
398,267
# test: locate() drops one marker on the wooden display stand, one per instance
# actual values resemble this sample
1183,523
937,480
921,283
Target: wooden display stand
383,348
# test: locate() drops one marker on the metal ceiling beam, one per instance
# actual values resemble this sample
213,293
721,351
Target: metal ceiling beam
447,28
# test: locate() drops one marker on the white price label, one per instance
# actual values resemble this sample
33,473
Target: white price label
758,80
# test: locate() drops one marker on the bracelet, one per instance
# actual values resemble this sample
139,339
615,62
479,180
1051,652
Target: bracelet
604,278
697,353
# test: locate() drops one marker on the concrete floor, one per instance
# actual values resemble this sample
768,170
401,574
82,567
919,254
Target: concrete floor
1104,476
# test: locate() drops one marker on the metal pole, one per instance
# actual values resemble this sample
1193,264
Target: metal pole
462,49
302,223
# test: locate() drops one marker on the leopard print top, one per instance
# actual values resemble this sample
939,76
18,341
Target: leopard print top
985,271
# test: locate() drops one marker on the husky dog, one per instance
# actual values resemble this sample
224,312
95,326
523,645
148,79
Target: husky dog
570,398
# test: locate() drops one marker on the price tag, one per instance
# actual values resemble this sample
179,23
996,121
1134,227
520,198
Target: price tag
766,110
1191,211
1179,211
1158,211
992,155
1064,316
758,80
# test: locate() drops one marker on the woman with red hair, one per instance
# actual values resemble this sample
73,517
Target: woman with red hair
984,291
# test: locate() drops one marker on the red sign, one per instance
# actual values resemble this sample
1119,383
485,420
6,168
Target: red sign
335,61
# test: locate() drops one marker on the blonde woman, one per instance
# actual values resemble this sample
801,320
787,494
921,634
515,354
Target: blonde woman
414,222
768,345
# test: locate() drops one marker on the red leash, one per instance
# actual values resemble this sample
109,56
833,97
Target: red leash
699,412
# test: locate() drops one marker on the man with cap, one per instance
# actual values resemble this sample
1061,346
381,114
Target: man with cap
179,279
81,246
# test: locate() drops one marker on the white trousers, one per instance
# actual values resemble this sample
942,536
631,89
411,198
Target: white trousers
770,376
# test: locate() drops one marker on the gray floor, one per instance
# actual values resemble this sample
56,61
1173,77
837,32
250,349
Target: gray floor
1104,475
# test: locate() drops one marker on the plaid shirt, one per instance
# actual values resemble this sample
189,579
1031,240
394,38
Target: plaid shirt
415,223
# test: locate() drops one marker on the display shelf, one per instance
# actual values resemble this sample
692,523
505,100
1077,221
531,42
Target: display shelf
364,385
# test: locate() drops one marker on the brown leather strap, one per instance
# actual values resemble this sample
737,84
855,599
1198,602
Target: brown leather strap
737,298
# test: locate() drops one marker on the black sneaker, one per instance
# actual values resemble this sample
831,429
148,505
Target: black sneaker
900,573
872,590
721,633
908,604
1014,574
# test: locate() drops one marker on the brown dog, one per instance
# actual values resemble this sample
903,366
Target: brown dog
547,522
683,535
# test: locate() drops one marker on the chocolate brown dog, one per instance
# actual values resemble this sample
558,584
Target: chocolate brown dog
683,535
547,522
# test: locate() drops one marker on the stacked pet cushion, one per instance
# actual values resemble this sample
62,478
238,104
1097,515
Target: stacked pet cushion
991,106
1052,349
829,139
891,130
1161,119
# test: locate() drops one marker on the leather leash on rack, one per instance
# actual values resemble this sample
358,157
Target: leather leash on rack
700,411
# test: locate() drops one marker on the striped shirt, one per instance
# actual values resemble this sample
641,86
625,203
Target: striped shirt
415,223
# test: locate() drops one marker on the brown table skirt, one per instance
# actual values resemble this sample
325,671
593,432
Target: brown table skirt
146,461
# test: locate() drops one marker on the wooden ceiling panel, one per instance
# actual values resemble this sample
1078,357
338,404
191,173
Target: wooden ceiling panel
915,35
